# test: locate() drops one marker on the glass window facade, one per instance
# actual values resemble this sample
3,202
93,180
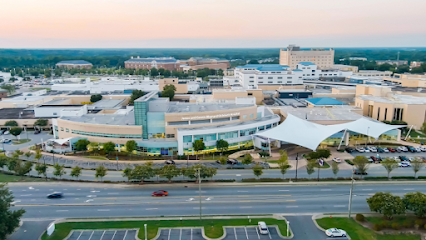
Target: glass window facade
141,110
187,139
156,125
206,137
109,135
227,135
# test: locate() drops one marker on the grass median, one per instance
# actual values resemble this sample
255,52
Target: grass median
213,228
13,178
358,232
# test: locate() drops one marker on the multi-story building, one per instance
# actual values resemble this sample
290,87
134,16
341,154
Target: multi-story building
374,73
392,62
264,76
354,59
414,64
74,64
196,63
168,63
292,55
407,80
342,67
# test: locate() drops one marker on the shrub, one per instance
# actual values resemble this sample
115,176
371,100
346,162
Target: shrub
377,227
360,217
395,226
408,224
419,222
385,224
349,162
425,226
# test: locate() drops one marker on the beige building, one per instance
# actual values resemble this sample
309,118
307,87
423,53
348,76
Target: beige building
408,80
414,64
342,67
380,103
292,55
196,63
374,73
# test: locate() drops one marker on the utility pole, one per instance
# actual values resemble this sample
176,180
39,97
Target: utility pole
350,194
297,163
199,189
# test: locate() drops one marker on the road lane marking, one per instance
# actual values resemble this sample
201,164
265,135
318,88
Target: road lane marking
26,195
30,188
65,189
102,235
94,191
257,231
91,235
269,235
199,191
91,196
189,200
191,233
89,200
242,191
292,206
112,193
235,232
78,189
367,189
169,233
244,201
199,207
339,205
238,175
114,235
246,232
180,234
103,210
245,207
151,209
408,189
208,199
124,235
325,189
62,210
283,190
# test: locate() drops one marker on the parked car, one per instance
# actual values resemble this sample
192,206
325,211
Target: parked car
334,232
338,160
404,164
372,159
217,161
37,131
232,161
2,131
404,149
423,149
263,229
169,162
385,150
411,149
418,149
372,149
160,193
360,149
356,172
380,150
54,195
349,150
403,158
6,133
392,149
6,140
366,149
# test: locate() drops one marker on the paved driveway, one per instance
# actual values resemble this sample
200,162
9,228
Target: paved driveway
304,229
30,230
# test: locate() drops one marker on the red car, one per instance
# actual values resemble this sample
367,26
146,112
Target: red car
391,149
160,193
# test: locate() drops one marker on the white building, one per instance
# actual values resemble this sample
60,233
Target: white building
310,71
108,86
292,55
253,75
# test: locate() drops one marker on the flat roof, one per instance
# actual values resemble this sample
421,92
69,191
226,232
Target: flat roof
24,99
396,98
293,90
16,113
74,62
340,113
109,119
324,101
107,104
58,101
181,107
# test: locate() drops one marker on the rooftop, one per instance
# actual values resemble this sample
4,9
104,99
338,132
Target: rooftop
324,101
110,119
107,104
396,98
74,62
58,101
16,113
306,63
265,67
181,107
341,113
148,60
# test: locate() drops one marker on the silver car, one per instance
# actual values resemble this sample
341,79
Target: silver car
334,232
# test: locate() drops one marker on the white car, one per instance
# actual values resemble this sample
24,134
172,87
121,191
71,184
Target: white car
360,149
6,133
366,149
404,164
338,160
418,149
423,149
334,232
385,150
5,140
263,229
372,149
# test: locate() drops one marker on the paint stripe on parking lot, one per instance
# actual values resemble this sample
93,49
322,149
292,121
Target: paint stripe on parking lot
235,232
339,205
91,235
246,232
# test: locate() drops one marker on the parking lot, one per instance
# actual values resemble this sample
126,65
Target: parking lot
102,235
181,234
250,233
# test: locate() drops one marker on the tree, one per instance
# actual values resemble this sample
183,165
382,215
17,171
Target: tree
11,123
417,70
9,88
423,128
154,72
310,167
135,95
169,172
3,161
257,170
247,159
59,170
361,164
168,91
9,220
109,147
220,72
198,145
41,122
386,204
417,164
131,146
41,169
222,145
222,160
415,202
211,171
11,164
15,131
38,155
283,163
81,145
28,155
101,171
253,61
95,98
127,173
142,172
76,172
324,153
335,168
22,168
390,165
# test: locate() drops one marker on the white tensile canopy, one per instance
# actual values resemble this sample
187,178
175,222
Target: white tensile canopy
307,134
60,141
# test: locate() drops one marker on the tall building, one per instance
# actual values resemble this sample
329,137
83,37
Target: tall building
196,63
78,64
292,55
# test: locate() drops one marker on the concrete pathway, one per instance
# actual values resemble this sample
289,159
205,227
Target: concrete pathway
30,230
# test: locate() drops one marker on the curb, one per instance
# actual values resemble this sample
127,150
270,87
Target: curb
318,216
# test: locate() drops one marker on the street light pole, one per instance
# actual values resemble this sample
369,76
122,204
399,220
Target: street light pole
199,189
146,234
297,163
367,137
350,195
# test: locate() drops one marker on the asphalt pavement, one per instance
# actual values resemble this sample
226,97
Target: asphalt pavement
35,139
30,230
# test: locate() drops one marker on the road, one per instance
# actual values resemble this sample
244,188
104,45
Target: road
93,200
35,138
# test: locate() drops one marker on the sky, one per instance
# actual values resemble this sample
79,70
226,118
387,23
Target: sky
212,23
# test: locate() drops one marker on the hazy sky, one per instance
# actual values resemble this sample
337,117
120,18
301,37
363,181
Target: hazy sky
212,23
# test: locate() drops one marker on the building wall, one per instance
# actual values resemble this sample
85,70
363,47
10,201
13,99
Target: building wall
277,86
231,94
23,122
75,66
180,88
257,93
149,65
323,59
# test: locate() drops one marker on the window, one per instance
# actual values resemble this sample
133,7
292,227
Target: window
260,82
378,113
55,114
170,136
244,116
280,81
67,130
62,129
280,77
251,115
289,77
386,112
270,81
260,77
270,78
251,77
289,81
251,81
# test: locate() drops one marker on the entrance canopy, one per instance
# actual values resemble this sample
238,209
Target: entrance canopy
308,134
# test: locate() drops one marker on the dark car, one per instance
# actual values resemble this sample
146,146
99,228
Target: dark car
391,149
380,150
373,158
169,162
356,172
36,131
160,193
349,150
403,158
411,149
217,161
232,161
54,195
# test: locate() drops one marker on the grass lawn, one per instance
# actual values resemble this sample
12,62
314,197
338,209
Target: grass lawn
358,232
212,227
20,141
399,219
96,157
13,178
326,165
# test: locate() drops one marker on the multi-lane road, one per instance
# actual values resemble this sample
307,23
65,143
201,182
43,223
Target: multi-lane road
94,200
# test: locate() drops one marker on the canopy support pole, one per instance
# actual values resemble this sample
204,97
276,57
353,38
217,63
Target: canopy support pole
341,140
408,134
270,152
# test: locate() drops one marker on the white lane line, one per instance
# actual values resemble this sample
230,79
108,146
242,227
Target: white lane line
257,231
124,235
283,190
269,235
201,191
113,193
17,201
245,207
325,189
30,188
235,232
94,191
367,189
292,206
246,232
406,189
89,200
169,233
114,235
91,235
242,191
62,210
191,233
238,175
199,208
102,235
26,195
339,206
80,235
180,235
91,195
103,210
151,209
